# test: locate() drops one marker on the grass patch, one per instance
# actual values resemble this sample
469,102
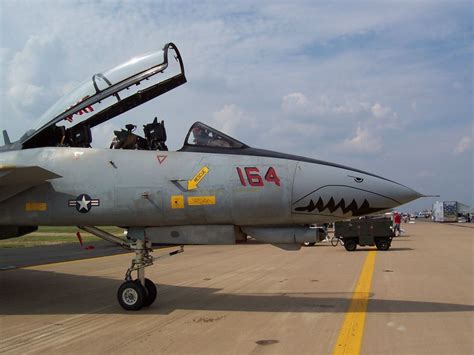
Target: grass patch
55,235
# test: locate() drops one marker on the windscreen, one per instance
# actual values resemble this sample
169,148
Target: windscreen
205,136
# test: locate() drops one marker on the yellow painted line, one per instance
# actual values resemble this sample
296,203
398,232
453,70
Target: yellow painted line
194,182
352,331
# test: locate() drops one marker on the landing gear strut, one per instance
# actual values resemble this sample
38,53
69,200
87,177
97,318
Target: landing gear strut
141,292
132,295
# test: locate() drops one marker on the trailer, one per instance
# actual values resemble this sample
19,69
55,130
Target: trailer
445,211
365,232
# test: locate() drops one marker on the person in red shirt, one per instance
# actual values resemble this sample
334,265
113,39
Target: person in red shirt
397,219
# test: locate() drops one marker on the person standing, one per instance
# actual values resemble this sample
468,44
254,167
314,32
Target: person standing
397,219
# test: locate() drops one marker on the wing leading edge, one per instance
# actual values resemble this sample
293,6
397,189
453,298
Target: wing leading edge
16,179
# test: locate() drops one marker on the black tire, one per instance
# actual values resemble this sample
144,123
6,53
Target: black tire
131,295
151,293
350,244
382,243
334,241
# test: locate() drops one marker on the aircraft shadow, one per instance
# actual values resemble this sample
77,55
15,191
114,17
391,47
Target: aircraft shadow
382,251
34,292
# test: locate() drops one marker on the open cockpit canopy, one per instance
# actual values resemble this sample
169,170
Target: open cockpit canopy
105,95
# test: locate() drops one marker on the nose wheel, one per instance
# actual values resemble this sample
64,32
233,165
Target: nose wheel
133,295
151,293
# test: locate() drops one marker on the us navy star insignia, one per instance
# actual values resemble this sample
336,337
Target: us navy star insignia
83,203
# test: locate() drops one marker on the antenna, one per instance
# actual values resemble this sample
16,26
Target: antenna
6,138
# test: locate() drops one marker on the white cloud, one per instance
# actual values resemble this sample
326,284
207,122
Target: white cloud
380,111
24,95
231,119
29,65
363,142
30,75
337,115
463,145
385,117
292,133
296,103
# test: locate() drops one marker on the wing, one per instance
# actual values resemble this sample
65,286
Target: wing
16,179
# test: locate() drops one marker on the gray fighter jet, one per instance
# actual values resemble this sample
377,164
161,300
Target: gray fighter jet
214,190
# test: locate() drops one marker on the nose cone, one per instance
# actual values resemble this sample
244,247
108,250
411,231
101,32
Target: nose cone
400,193
340,192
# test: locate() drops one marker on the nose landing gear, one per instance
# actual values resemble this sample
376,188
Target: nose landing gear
132,295
135,294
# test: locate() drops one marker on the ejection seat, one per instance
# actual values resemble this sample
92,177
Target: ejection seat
126,139
155,134
81,136
155,137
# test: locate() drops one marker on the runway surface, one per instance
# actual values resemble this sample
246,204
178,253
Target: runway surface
12,258
252,299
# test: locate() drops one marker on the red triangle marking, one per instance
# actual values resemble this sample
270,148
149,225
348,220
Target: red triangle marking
161,158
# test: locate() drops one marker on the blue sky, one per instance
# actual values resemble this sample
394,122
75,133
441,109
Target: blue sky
384,86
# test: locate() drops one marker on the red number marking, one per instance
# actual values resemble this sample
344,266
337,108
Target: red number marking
271,176
241,177
253,177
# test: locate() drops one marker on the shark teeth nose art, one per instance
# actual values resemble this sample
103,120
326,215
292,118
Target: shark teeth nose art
331,206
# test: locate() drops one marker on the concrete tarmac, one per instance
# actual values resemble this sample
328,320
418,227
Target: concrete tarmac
12,258
251,299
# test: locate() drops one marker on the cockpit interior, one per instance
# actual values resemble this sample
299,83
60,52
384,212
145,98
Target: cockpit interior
199,135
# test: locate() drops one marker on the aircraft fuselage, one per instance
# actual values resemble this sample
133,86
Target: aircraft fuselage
156,188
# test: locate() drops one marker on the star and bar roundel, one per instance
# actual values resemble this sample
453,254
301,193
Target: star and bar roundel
84,203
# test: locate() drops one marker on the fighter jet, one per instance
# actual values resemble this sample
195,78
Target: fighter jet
214,190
